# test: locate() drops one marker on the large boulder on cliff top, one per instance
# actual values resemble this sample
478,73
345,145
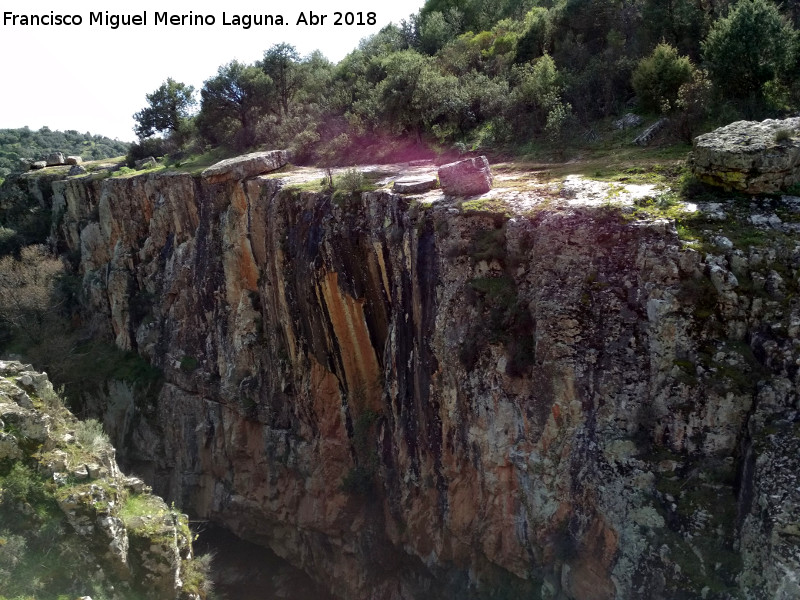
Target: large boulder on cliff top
74,160
247,165
145,163
466,177
55,159
750,156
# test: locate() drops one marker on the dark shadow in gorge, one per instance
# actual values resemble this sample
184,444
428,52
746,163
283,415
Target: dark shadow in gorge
242,570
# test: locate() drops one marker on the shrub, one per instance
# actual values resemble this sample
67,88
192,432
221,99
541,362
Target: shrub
153,146
351,181
28,298
23,485
693,105
556,123
188,363
90,435
196,575
783,135
658,78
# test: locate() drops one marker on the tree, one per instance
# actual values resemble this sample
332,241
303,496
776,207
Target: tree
29,301
537,39
232,102
658,77
280,63
680,23
414,95
538,90
748,48
169,106
397,91
436,29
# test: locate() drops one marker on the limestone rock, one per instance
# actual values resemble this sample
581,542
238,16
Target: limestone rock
563,398
414,185
466,177
750,156
74,160
628,120
9,449
23,165
141,554
77,170
55,159
245,166
145,163
39,164
648,134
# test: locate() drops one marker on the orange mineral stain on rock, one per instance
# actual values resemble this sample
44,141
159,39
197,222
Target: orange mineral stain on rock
590,576
247,266
358,357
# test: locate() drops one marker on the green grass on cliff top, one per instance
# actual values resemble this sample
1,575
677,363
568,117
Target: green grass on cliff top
619,162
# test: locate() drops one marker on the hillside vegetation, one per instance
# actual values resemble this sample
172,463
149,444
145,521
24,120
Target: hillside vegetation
33,145
519,77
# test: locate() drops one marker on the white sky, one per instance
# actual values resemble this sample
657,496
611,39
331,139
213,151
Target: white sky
94,78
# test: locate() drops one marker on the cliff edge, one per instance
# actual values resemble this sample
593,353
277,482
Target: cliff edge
546,391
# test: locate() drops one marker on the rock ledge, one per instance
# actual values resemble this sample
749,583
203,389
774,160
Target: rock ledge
750,156
247,165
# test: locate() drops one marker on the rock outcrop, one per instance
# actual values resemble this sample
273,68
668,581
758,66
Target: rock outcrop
245,166
55,159
145,163
644,138
414,185
108,534
750,156
466,177
434,398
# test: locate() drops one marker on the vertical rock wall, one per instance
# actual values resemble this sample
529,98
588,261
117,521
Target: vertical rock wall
409,400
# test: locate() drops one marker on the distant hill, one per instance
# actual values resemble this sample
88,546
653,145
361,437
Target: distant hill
25,143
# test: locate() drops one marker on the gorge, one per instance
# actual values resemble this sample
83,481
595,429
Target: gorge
526,394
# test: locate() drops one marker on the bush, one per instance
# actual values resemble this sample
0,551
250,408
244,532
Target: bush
351,181
23,485
693,105
196,575
658,78
90,435
28,294
153,146
783,135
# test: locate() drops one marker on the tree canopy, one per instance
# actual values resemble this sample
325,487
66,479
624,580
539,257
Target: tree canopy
474,74
233,100
167,108
751,46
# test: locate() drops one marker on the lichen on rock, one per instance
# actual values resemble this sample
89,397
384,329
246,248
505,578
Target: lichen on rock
750,156
65,506
426,395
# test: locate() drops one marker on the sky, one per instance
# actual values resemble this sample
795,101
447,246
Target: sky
92,77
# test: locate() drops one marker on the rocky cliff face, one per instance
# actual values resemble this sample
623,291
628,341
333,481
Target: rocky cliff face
70,521
412,397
